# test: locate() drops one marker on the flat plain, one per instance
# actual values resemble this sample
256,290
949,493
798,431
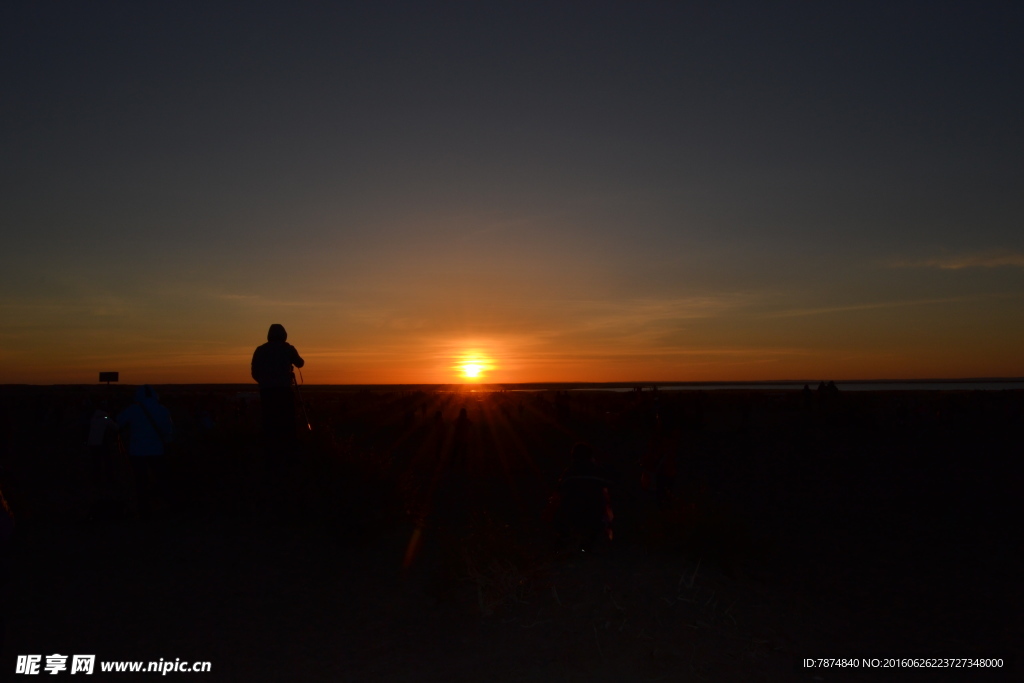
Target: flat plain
855,524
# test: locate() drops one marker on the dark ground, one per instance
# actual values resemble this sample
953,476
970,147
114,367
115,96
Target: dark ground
857,525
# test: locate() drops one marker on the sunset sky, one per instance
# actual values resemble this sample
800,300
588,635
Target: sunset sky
631,191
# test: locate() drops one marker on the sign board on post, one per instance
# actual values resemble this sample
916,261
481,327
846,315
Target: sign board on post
108,377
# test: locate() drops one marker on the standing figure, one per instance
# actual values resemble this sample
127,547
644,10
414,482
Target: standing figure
272,369
658,463
149,428
581,506
102,442
459,459
6,550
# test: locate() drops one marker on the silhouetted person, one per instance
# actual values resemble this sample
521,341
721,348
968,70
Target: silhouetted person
272,369
583,501
449,505
452,496
102,441
460,440
149,429
562,410
658,462
827,393
6,550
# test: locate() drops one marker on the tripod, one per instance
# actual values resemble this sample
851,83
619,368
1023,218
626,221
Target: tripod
298,398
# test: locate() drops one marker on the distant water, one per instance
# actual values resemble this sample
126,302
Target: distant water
931,386
843,386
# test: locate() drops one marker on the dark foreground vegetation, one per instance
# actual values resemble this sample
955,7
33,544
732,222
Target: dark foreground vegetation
850,525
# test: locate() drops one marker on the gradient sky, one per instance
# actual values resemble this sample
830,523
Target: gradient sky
569,192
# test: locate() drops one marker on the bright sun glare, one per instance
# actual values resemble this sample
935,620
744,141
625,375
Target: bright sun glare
473,366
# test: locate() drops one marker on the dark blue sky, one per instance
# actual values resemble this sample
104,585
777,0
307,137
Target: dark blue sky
571,191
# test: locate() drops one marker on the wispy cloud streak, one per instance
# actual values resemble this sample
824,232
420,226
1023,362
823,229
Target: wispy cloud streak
800,312
987,259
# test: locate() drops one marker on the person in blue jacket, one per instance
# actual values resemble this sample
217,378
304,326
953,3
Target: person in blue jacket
150,429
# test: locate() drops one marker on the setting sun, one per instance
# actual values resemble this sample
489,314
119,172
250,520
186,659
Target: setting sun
472,366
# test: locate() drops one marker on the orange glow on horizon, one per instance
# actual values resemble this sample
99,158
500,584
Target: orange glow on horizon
860,345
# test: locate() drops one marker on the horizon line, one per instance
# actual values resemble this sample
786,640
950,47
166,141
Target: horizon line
641,383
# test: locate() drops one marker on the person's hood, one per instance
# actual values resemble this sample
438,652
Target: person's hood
145,393
277,333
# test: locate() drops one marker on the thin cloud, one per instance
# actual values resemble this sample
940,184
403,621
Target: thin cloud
265,302
637,313
799,312
42,310
989,259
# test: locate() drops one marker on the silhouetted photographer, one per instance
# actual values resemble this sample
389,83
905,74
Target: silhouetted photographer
272,369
